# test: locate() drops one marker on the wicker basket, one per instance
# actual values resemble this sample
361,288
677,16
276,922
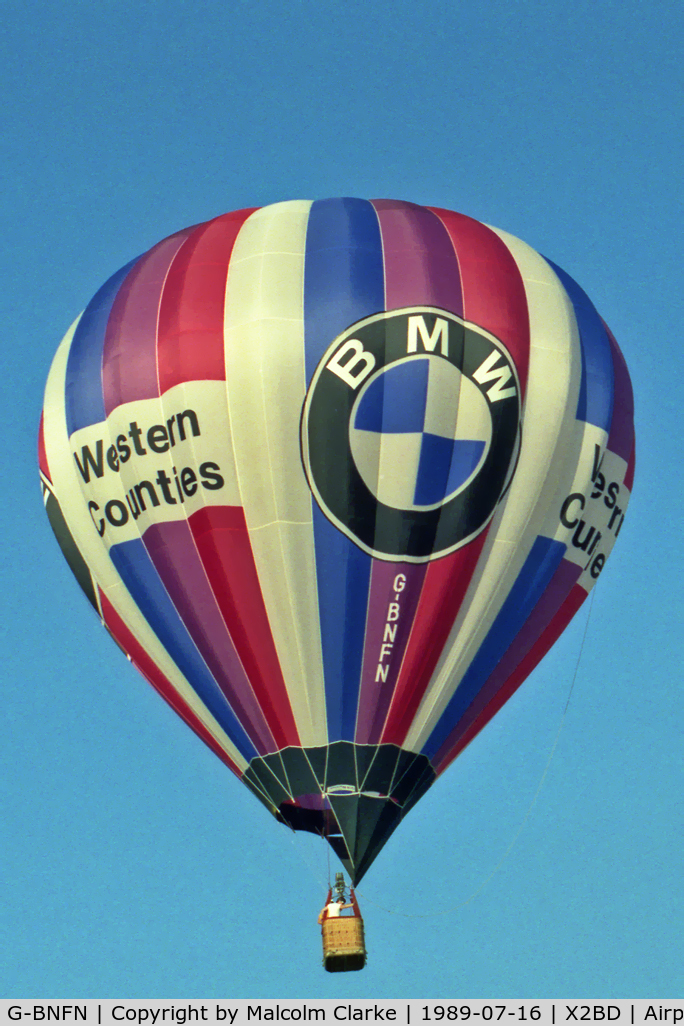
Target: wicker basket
344,948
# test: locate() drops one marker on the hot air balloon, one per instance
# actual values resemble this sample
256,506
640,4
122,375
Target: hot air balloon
335,475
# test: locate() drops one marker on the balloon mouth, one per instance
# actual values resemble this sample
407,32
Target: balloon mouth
327,825
355,819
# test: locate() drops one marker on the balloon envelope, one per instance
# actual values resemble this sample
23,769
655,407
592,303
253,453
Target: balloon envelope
335,476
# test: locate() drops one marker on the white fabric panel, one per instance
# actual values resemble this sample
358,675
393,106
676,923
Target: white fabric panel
588,512
266,384
207,400
73,501
377,455
547,457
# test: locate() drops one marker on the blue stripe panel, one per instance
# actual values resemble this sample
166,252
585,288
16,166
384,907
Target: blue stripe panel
532,581
343,282
444,465
142,581
344,276
343,577
595,405
395,401
84,396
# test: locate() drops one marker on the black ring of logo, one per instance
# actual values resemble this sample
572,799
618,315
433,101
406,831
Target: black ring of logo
355,356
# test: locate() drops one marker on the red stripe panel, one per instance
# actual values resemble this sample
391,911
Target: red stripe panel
149,669
493,290
190,337
446,583
42,455
222,540
454,744
172,549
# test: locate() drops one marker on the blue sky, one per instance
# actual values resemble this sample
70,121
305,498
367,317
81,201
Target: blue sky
134,864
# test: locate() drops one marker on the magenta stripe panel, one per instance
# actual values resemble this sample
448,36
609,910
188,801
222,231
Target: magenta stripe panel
174,554
129,361
420,263
395,589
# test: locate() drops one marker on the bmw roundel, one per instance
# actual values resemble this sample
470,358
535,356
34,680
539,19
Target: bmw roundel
410,432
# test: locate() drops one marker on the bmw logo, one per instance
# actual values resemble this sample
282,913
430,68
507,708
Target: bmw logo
410,432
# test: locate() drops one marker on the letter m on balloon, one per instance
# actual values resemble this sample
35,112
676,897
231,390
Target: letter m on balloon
429,339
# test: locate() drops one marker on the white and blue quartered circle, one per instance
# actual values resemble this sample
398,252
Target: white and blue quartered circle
419,432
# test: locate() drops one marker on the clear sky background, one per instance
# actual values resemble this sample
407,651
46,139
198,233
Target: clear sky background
133,863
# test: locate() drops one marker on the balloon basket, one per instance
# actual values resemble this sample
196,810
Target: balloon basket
344,948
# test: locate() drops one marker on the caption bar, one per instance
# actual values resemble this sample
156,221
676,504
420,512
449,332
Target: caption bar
409,1013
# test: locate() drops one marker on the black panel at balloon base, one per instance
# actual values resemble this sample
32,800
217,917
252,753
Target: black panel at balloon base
344,948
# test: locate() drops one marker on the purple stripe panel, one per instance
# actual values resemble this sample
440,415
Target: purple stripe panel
172,550
395,589
421,268
129,363
621,437
551,600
